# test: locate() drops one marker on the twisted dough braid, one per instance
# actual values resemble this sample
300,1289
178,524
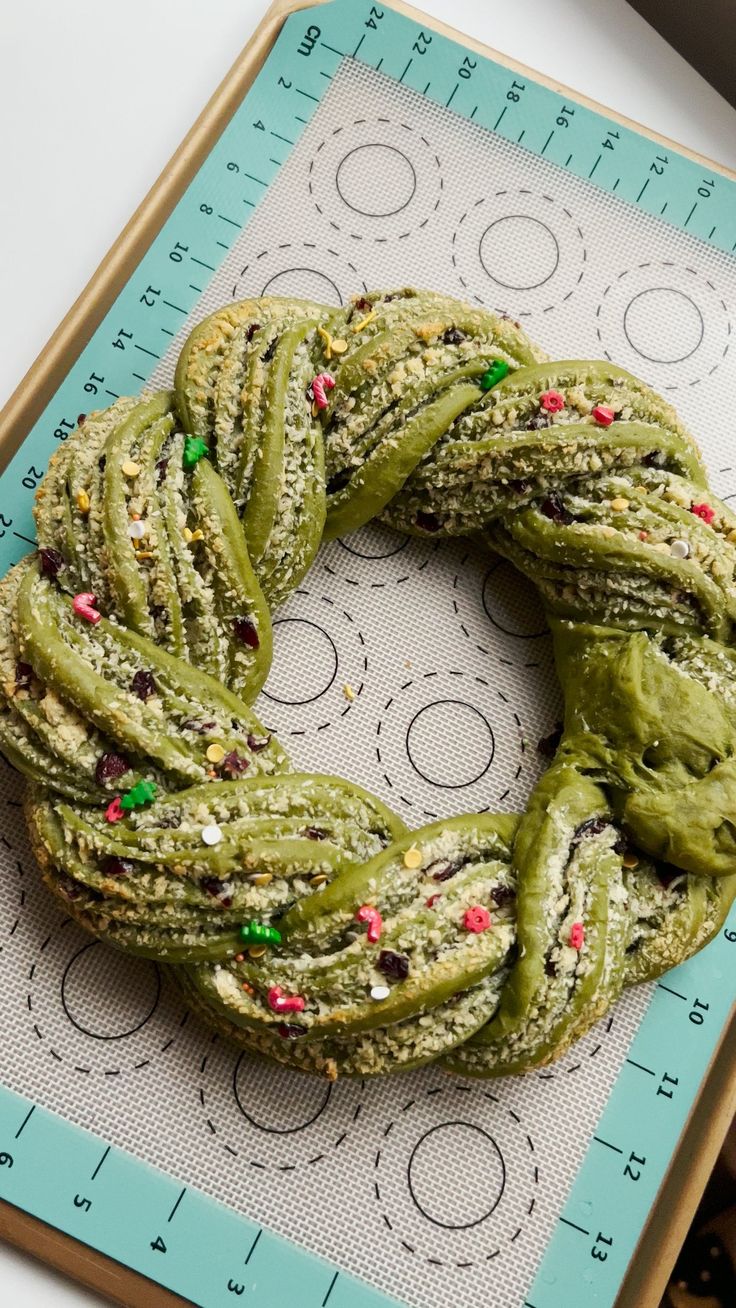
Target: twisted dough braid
296,912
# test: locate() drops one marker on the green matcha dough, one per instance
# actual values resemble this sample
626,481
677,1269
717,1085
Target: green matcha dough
296,912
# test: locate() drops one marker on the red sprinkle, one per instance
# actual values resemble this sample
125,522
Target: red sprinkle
603,415
278,1002
83,604
476,919
704,511
643,535
366,913
552,401
432,900
577,935
114,811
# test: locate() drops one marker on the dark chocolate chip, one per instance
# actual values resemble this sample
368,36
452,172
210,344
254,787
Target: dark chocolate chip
161,470
110,767
218,890
501,895
554,509
143,684
548,745
23,676
118,867
101,462
427,521
245,630
290,1030
394,966
453,336
52,562
270,350
314,833
550,968
191,724
252,329
339,481
654,459
591,827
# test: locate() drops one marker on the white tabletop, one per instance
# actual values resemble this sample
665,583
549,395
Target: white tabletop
94,98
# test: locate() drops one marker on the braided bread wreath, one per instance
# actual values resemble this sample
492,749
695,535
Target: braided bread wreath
297,913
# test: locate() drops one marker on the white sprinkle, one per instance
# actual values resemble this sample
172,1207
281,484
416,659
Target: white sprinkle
679,549
137,530
211,835
380,992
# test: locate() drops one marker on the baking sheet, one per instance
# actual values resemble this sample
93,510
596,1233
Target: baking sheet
429,1187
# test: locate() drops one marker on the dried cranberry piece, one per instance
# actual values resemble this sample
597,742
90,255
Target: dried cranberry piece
110,767
257,743
143,684
233,764
252,329
270,350
394,966
218,890
554,509
363,305
81,419
501,895
314,833
52,562
191,724
547,746
290,1030
118,867
453,336
442,870
427,521
23,676
162,468
245,630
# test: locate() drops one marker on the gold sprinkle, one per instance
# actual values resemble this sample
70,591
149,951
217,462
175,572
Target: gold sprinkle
262,878
315,409
318,879
348,692
144,554
619,504
732,536
130,469
191,536
630,860
413,857
83,501
247,988
256,951
240,958
215,753
339,346
358,326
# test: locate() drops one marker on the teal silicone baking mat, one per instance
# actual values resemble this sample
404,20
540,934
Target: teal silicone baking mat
373,151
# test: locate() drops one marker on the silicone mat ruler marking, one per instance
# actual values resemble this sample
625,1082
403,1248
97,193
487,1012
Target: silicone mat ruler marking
103,1196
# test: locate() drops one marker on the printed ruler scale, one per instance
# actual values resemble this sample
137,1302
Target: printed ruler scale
103,1196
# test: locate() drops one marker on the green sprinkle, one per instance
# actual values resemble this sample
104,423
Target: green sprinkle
496,373
194,450
256,933
143,792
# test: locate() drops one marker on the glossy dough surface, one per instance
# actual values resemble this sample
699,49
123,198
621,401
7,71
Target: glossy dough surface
297,913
